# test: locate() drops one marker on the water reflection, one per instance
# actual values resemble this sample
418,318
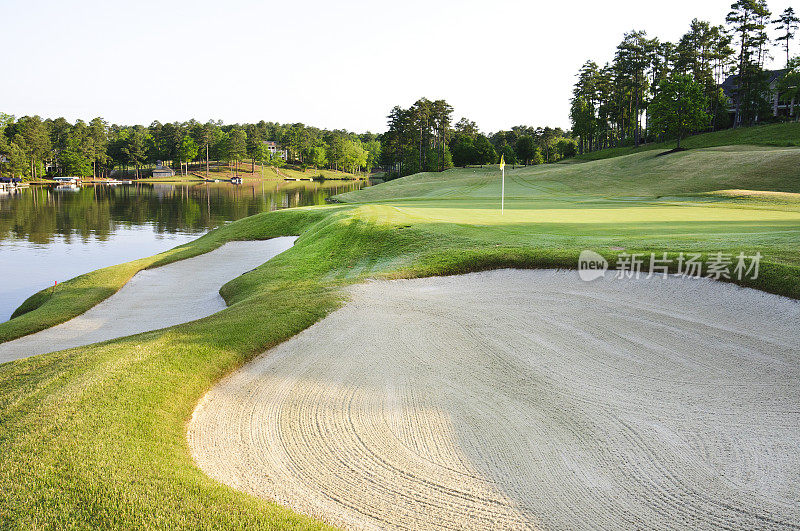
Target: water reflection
50,234
40,214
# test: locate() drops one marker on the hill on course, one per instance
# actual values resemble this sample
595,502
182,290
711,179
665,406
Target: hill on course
777,135
640,175
731,199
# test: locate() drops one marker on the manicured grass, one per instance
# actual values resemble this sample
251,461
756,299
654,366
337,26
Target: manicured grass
782,135
95,436
642,175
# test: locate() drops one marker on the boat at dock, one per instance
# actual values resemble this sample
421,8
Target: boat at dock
67,180
10,182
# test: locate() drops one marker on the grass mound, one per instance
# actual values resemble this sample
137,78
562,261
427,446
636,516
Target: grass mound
778,135
671,151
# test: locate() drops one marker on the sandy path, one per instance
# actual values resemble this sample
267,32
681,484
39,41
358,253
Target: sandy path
154,298
523,399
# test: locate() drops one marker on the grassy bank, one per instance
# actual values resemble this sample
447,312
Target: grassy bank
271,173
95,436
780,135
76,295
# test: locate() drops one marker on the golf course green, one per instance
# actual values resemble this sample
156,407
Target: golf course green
96,436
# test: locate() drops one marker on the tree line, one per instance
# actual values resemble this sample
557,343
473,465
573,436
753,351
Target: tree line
31,147
422,138
655,89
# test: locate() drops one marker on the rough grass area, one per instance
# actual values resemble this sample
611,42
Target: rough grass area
95,436
781,135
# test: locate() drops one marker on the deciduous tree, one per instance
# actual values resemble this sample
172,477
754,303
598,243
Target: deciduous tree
187,152
526,149
484,151
679,107
463,150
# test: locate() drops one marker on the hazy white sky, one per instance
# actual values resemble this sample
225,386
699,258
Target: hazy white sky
334,64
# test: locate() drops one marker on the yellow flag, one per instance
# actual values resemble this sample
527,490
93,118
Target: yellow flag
502,163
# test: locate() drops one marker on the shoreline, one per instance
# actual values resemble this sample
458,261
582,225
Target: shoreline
153,299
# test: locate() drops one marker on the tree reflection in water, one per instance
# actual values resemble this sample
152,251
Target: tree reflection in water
40,214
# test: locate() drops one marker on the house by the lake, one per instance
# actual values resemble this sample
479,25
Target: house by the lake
274,149
162,171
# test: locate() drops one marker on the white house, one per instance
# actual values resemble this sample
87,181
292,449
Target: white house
274,148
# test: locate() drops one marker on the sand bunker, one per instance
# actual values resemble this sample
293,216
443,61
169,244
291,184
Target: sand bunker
154,298
523,399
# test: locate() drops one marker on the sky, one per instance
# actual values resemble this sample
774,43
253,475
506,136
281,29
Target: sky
333,64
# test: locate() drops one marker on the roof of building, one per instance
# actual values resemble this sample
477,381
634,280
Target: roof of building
730,84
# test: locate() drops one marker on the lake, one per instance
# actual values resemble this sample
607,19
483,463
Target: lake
51,234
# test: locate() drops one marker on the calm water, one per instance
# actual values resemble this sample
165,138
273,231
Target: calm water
50,234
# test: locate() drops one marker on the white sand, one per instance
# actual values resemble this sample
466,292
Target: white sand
514,399
154,298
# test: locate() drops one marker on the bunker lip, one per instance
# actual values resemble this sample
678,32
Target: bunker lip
522,398
156,298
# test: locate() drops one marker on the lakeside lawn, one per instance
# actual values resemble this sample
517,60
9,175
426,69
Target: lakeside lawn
220,171
95,436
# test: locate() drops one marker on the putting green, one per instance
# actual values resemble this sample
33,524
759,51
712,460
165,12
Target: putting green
633,213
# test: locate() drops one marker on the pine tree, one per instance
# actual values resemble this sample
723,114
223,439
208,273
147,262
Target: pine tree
787,23
98,133
36,141
584,106
747,19
237,147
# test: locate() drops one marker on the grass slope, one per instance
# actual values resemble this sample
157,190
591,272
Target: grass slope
95,436
782,135
641,175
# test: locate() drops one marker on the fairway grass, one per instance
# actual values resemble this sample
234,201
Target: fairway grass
96,436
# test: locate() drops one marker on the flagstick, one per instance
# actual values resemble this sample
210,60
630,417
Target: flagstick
503,192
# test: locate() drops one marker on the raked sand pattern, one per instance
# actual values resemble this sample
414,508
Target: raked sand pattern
523,399
154,298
